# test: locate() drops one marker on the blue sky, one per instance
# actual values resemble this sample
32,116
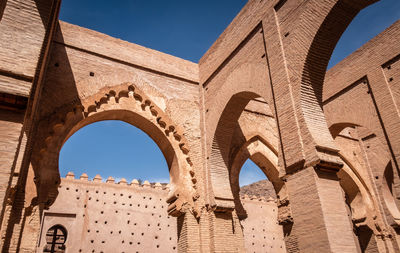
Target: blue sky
185,29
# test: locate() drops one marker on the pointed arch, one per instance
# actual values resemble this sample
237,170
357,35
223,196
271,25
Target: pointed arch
264,155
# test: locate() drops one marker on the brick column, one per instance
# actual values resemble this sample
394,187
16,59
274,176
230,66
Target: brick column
188,233
320,218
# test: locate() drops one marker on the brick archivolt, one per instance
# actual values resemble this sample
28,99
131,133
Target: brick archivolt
266,157
353,179
364,210
127,103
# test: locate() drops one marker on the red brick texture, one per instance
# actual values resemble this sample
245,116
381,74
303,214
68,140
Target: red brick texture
328,140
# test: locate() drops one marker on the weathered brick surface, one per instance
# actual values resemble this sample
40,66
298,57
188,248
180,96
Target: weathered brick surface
10,134
104,216
23,27
360,105
328,141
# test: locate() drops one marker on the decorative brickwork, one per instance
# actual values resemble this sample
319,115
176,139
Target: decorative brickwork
327,140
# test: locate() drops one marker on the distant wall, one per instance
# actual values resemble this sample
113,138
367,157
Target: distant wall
122,217
261,230
111,217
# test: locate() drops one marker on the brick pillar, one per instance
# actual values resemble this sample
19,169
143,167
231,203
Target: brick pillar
320,219
227,234
188,233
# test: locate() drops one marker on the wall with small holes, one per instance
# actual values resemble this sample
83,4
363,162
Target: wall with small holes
261,230
132,217
112,217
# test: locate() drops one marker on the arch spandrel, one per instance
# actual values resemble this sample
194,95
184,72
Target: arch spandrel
248,81
127,103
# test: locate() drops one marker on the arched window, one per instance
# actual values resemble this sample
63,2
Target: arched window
56,237
114,148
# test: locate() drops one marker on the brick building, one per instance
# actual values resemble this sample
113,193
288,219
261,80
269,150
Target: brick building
327,140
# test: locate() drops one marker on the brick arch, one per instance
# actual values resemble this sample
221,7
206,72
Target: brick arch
244,82
219,157
225,107
265,156
363,210
360,197
387,192
313,41
127,103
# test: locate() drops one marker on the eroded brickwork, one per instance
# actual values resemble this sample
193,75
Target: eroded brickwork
328,141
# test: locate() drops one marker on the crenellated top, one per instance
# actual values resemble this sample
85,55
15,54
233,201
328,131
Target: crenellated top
257,199
122,182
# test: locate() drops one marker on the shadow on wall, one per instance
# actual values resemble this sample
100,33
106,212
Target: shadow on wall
59,95
2,7
44,9
59,60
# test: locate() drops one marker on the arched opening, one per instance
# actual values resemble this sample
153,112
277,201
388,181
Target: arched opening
377,17
114,148
135,215
124,178
246,129
364,157
250,174
128,104
56,237
325,33
257,209
259,203
232,132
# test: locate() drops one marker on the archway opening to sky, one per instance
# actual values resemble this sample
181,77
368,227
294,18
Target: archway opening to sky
252,174
258,210
376,18
113,148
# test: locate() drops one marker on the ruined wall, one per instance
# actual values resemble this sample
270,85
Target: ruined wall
86,67
131,217
261,231
279,50
275,50
112,217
